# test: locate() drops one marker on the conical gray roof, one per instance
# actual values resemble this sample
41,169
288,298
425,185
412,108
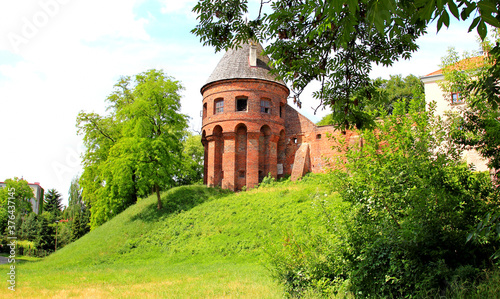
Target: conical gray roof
235,65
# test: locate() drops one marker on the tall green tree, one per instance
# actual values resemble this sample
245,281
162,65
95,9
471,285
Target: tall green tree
29,227
75,201
192,160
22,194
334,42
405,89
53,202
45,238
77,213
154,130
135,149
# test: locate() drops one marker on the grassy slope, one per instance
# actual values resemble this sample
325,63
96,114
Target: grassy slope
204,243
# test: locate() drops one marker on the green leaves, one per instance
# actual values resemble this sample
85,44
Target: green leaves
52,202
22,195
333,42
453,9
413,201
488,9
134,149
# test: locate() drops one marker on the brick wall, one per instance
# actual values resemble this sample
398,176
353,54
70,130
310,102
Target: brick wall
244,145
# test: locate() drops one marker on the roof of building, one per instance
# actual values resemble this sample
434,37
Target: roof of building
462,65
235,65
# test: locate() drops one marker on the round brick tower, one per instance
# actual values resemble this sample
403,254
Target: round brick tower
243,128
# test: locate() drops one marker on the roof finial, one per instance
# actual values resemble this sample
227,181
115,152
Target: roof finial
252,57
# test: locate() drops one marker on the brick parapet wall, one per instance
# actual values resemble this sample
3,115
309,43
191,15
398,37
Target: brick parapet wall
324,148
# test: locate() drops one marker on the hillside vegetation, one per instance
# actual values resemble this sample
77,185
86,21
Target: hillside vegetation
205,242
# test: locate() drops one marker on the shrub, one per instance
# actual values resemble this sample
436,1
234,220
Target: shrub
26,248
415,204
412,206
310,261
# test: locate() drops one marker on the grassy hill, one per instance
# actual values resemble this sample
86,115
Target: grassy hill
205,243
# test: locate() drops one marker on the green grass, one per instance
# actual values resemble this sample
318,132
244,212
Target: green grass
205,243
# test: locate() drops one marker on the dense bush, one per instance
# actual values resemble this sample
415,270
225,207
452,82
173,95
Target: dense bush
310,260
413,204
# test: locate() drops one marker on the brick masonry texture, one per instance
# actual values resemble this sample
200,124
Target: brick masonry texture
242,147
249,130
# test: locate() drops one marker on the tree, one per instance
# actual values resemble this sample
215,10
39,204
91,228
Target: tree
75,201
475,79
387,93
45,237
53,202
155,129
76,204
477,126
412,205
405,89
192,160
29,227
41,230
21,193
334,42
136,148
77,213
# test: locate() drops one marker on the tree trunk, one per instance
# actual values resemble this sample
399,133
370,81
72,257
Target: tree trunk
158,196
134,189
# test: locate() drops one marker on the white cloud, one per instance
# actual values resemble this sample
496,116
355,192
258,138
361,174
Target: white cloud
29,24
177,6
72,62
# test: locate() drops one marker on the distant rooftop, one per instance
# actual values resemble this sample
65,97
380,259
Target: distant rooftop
461,65
235,64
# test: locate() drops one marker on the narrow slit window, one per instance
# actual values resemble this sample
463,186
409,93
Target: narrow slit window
265,106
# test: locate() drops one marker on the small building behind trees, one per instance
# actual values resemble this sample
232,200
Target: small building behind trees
37,200
453,101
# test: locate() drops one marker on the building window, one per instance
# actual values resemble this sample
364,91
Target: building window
219,106
204,110
318,136
456,98
241,104
265,106
281,110
241,174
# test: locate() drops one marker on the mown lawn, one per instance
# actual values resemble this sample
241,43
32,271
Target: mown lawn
151,279
205,243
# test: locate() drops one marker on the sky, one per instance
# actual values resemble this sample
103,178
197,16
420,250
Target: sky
60,57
